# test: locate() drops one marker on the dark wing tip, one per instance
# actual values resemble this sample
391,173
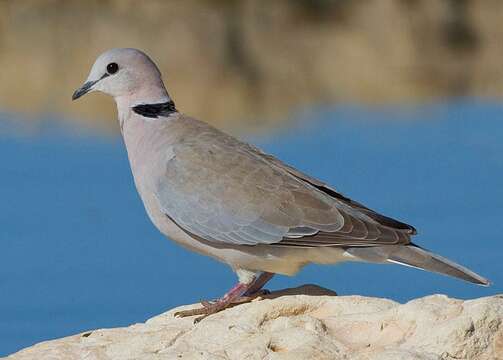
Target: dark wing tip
387,221
381,219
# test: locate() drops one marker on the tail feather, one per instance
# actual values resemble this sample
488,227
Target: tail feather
417,257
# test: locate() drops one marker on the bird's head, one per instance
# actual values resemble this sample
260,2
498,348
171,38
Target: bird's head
124,72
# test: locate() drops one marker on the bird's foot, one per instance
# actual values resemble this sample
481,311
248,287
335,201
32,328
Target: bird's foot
247,297
208,308
238,295
212,307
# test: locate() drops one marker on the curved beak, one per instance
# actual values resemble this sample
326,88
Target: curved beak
84,89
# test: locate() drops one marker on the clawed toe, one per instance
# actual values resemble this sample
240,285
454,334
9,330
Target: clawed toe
191,312
206,310
208,303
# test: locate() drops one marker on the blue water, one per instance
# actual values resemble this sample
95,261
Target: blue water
78,252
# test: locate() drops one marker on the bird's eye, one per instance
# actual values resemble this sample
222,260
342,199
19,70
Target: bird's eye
112,68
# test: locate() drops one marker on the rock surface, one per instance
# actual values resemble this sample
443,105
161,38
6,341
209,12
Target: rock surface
303,323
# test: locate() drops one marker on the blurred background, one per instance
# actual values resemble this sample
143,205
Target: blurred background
395,103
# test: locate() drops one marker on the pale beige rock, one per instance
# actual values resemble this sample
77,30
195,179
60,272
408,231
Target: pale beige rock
302,323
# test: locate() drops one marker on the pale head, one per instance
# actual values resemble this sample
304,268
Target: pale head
125,74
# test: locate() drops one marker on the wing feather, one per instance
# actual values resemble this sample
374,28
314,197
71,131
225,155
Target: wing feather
228,192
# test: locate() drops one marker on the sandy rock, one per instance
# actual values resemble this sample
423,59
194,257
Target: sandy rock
303,323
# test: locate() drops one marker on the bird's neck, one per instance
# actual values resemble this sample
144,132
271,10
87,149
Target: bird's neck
153,95
146,95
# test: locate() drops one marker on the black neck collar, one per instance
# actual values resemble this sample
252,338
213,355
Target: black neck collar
155,110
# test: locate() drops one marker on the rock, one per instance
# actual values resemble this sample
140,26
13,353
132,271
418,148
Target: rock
302,323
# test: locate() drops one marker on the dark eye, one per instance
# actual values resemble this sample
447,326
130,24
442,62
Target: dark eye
112,68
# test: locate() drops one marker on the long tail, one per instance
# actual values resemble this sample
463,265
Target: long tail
417,257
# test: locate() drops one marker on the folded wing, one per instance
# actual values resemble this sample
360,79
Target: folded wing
228,192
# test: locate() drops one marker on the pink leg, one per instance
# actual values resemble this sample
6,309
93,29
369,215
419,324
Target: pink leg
234,293
259,283
253,291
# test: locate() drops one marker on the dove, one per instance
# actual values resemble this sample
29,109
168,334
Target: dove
224,198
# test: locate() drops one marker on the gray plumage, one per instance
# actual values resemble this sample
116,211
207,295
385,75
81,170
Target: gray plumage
228,192
227,199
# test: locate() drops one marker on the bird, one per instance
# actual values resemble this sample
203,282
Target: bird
221,197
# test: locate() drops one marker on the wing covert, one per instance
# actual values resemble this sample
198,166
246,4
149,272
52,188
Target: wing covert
225,191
